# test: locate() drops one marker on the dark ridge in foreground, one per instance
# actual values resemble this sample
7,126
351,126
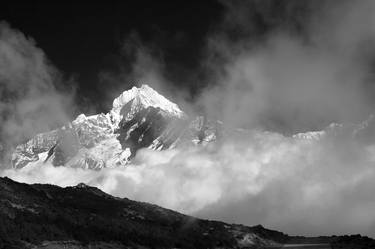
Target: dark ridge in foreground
46,216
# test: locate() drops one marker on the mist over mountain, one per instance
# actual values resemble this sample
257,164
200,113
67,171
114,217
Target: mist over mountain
273,124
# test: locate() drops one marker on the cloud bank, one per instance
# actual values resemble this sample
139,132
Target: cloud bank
297,185
289,80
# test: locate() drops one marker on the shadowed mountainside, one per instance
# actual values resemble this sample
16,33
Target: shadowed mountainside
45,216
48,216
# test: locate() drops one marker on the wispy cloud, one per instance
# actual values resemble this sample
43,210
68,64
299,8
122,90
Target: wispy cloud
32,98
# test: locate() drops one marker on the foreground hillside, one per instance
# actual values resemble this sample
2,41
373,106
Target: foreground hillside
37,215
47,216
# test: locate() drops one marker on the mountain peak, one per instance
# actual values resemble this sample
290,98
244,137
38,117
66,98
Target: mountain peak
143,97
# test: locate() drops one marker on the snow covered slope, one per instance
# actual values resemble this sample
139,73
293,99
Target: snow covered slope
130,102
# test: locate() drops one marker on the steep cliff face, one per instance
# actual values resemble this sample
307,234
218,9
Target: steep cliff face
139,118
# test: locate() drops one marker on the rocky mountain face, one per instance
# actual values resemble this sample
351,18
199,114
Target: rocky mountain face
139,118
47,216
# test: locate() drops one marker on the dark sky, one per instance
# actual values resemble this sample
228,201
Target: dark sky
84,39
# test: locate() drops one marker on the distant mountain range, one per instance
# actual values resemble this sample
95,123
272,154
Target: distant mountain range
46,216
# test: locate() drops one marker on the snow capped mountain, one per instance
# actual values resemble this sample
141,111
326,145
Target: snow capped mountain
140,118
363,132
310,135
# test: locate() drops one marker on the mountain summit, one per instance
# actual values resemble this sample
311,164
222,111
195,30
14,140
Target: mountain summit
132,101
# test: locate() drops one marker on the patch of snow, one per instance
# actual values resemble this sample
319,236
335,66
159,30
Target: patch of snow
131,129
310,135
22,207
